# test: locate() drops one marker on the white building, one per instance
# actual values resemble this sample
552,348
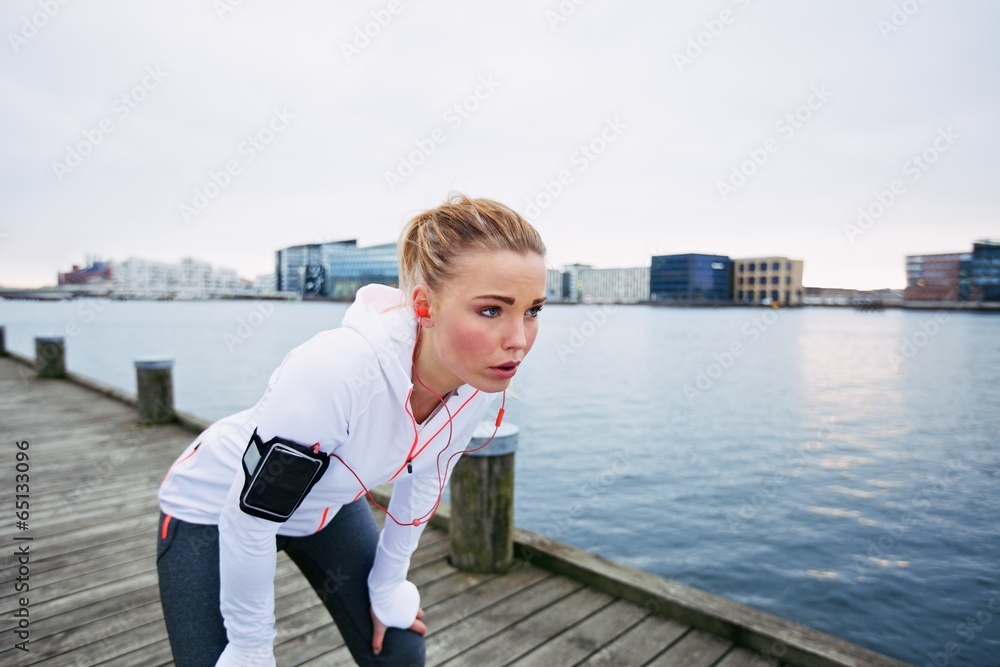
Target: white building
581,283
553,285
614,285
188,279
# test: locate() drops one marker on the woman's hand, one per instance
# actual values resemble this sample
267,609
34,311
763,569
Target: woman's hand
379,634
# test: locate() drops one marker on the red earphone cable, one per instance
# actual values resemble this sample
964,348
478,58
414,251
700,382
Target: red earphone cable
437,462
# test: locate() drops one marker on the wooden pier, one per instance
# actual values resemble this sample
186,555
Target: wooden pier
93,598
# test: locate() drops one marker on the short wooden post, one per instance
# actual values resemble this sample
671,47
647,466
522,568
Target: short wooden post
482,503
155,390
3,342
50,356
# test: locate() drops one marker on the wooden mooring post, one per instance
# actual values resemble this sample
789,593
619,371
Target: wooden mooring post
50,356
482,503
155,390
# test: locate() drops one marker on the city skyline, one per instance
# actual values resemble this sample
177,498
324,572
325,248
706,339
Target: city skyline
251,278
849,136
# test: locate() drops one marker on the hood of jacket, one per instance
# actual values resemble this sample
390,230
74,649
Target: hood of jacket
380,314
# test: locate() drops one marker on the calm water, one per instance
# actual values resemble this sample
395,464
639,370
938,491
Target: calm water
835,468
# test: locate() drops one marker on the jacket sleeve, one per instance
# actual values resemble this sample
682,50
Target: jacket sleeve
395,600
247,562
307,400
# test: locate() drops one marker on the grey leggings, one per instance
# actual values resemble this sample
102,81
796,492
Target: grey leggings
336,561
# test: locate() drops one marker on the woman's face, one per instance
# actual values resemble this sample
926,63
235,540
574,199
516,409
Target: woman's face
484,321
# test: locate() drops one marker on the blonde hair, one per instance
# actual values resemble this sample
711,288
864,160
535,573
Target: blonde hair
432,242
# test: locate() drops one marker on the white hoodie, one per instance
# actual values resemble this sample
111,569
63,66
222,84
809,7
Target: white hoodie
348,390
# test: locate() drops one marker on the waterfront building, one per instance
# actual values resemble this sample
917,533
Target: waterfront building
94,272
349,268
301,269
690,278
767,280
572,286
335,269
957,276
187,279
942,277
265,284
553,285
628,285
984,271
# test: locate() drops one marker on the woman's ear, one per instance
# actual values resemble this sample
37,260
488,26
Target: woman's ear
421,306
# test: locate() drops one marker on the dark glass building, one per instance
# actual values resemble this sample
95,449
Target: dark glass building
337,269
349,268
984,271
691,278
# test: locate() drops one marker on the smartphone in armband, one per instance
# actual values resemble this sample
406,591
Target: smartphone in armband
278,474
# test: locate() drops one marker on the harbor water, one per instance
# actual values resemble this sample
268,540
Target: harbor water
836,468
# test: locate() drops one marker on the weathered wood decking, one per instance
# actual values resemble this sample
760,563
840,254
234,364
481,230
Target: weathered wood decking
93,597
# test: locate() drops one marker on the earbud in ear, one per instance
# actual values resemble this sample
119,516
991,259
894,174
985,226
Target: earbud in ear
422,311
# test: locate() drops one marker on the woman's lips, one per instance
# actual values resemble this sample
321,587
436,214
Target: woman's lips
504,371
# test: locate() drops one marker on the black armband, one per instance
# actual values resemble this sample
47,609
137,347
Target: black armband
278,475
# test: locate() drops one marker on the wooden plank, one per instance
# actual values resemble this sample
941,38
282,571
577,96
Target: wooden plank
63,515
441,611
536,629
95,629
104,632
717,615
90,543
442,644
741,657
586,638
51,626
54,568
473,593
695,649
153,654
639,644
109,647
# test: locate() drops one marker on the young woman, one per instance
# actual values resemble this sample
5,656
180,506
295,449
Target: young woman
393,395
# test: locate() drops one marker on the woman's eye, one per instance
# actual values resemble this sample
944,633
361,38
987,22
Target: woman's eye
492,311
533,312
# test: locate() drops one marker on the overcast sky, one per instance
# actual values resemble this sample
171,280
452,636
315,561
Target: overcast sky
621,129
